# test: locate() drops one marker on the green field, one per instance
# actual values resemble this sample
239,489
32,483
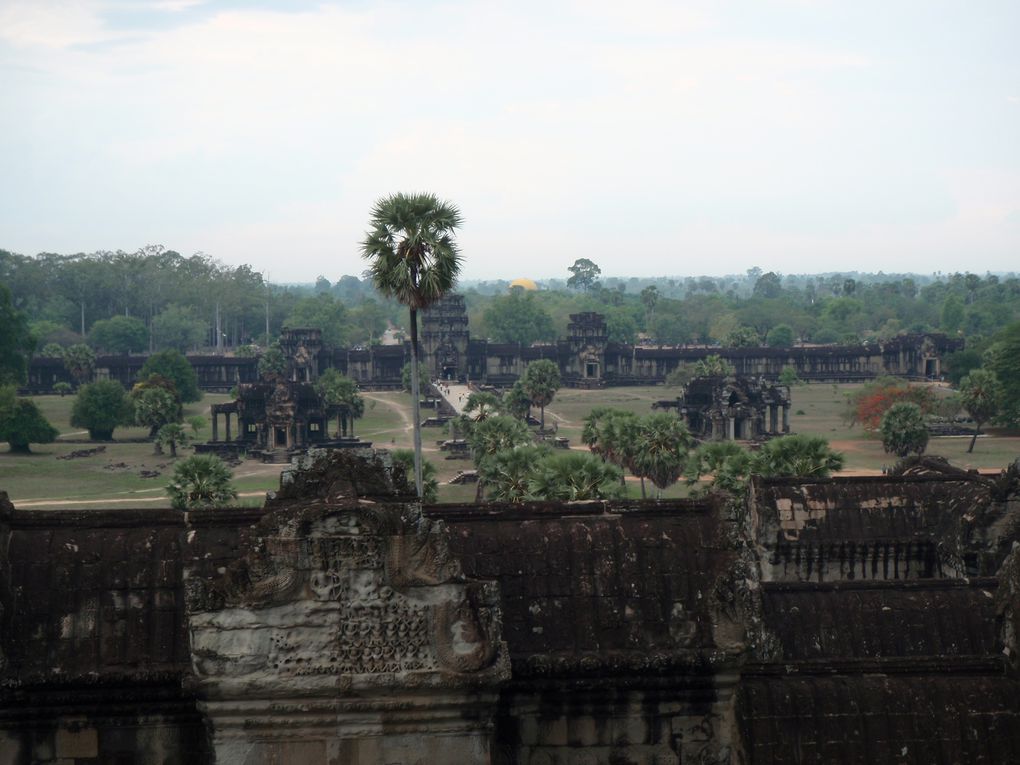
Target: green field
118,475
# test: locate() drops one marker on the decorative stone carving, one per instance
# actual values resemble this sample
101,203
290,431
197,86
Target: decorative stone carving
343,597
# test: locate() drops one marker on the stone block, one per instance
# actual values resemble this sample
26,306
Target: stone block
553,732
583,731
77,742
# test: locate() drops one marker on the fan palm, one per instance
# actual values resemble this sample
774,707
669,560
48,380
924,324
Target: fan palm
661,449
806,456
575,476
201,480
493,435
415,260
508,474
541,380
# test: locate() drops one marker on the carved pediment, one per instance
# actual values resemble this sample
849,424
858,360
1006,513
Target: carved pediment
343,593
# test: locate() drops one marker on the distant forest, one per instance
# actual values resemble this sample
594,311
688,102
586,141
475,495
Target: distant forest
156,298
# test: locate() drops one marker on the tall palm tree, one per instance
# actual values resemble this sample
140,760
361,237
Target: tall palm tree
415,260
662,446
612,435
540,381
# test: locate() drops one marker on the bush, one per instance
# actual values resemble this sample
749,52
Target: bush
100,407
21,424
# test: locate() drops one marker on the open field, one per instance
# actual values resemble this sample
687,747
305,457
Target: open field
129,474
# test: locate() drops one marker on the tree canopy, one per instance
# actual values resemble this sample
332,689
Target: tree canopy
119,334
16,342
1003,359
175,368
324,312
584,275
903,429
518,318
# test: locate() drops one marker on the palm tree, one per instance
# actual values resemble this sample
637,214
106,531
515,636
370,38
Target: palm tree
172,435
541,380
611,434
404,459
508,474
493,435
415,260
575,476
725,461
903,429
202,480
982,396
341,397
482,405
806,456
660,449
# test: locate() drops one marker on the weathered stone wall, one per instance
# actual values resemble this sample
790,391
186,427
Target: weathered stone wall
342,624
92,642
880,640
623,632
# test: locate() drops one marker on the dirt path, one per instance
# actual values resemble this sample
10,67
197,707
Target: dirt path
63,503
404,416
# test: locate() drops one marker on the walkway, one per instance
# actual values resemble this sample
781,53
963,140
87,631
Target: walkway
455,394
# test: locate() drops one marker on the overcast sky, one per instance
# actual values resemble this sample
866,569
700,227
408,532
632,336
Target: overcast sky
651,137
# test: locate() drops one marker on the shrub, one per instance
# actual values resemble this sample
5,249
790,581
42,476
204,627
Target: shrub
100,407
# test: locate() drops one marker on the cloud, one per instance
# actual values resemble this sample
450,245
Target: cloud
691,134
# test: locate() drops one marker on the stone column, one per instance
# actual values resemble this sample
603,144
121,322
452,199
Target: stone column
227,414
786,418
731,427
773,418
215,425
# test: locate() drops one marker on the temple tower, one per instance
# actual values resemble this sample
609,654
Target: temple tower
444,338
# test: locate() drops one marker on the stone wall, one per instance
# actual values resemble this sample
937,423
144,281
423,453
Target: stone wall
624,640
841,620
93,647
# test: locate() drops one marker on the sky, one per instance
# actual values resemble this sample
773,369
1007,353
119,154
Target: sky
654,138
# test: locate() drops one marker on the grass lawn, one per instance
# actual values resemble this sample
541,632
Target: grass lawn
122,474
822,406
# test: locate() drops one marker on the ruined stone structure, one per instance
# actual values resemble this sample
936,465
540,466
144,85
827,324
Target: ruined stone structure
844,620
729,408
586,358
281,414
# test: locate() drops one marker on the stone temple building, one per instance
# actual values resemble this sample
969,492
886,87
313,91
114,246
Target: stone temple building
282,414
586,358
843,620
732,408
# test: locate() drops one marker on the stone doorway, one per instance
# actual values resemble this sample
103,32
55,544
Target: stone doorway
280,437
